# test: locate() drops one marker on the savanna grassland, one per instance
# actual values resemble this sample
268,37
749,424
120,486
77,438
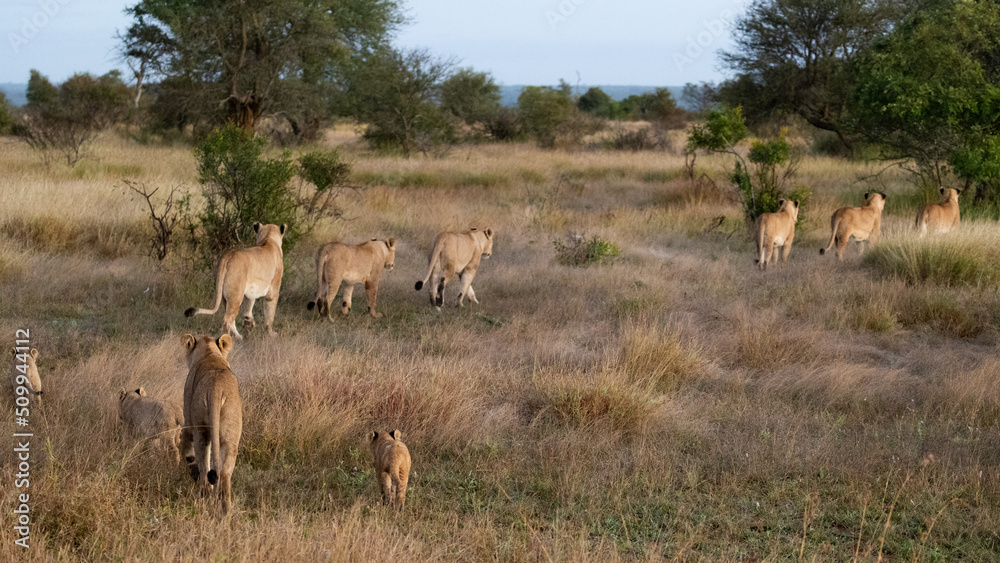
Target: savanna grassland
673,403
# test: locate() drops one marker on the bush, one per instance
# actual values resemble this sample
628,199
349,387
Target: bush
470,96
546,112
969,257
642,139
506,125
68,118
241,187
576,250
6,115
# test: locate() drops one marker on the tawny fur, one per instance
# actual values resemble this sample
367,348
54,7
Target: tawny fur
341,265
246,275
776,230
392,465
456,254
24,371
156,419
863,223
213,413
940,217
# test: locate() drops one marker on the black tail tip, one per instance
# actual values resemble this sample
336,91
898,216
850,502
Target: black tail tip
213,477
310,305
190,312
419,285
822,251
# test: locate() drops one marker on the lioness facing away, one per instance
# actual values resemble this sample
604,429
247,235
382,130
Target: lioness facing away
338,263
24,371
776,230
863,223
152,418
456,253
246,275
392,465
942,216
213,413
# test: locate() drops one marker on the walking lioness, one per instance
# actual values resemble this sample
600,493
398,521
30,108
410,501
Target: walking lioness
246,275
942,216
863,223
392,465
776,230
338,264
456,253
213,415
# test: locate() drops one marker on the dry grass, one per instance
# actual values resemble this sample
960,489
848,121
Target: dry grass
674,404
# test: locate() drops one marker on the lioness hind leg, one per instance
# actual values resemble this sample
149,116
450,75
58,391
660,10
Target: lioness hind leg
472,294
401,491
246,311
269,308
346,301
466,280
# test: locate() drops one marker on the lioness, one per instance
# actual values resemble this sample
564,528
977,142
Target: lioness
456,253
942,216
392,465
213,413
863,223
152,418
776,229
24,371
249,273
338,263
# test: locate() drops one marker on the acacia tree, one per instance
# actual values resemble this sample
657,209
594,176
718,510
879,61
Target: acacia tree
795,56
931,93
241,53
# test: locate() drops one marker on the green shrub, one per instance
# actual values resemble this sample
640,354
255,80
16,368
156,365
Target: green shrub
241,187
576,250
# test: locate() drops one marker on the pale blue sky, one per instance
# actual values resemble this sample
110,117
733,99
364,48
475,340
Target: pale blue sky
634,42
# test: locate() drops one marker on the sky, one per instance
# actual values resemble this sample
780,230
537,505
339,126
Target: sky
621,42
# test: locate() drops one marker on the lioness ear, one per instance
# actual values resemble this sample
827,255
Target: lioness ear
188,342
121,394
781,202
141,392
256,227
33,353
372,436
225,343
391,243
396,435
489,233
867,194
796,202
13,351
282,228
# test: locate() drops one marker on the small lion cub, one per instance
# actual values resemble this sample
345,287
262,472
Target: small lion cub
152,418
392,465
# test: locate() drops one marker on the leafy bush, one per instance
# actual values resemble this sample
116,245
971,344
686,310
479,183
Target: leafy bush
969,257
470,96
546,110
6,115
68,118
506,124
642,139
241,187
576,250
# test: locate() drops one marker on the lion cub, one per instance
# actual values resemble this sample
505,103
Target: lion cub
152,418
24,371
776,229
942,216
341,264
392,465
213,412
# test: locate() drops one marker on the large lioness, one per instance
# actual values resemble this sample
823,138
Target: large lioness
942,216
863,223
392,465
338,263
24,372
250,273
157,419
458,253
776,230
213,413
